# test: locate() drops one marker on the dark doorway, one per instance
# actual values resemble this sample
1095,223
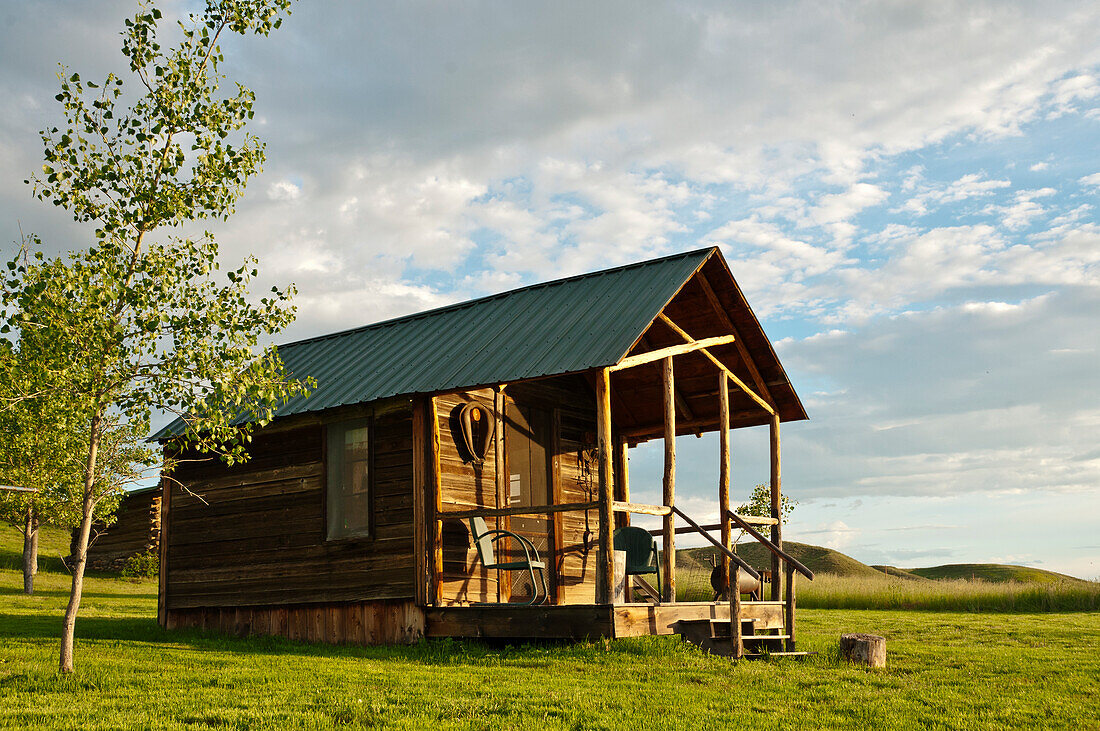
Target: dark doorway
526,440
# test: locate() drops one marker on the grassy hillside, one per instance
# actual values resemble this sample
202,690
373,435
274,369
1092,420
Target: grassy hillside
900,573
823,560
818,559
992,572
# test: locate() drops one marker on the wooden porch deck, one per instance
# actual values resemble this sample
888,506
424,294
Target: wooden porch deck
585,621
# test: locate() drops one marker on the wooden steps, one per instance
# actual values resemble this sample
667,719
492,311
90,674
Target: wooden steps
714,636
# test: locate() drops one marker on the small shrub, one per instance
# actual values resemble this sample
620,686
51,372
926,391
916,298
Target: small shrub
142,566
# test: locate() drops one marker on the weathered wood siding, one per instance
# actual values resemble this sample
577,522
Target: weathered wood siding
136,530
254,534
465,486
358,623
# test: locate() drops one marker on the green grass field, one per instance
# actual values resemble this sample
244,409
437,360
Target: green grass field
945,670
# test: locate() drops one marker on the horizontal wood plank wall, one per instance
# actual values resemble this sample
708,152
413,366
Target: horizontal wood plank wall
358,623
465,486
257,535
576,565
136,530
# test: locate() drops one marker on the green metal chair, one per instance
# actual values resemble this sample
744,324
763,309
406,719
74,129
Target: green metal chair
485,551
641,551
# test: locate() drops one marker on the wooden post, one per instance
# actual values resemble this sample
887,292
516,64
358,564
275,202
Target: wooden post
622,481
777,529
788,607
501,472
436,481
162,578
421,529
606,478
724,476
668,556
622,494
735,613
557,547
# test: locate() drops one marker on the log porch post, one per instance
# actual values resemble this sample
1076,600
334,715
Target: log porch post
668,556
606,478
501,471
788,607
776,479
435,535
735,614
724,475
163,612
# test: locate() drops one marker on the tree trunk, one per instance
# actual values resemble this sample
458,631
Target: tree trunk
30,551
80,554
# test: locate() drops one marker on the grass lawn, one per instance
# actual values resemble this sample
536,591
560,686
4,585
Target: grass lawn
946,670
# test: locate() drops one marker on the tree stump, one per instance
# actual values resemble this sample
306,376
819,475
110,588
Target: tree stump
869,650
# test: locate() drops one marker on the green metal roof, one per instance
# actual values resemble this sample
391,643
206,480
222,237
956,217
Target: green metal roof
564,326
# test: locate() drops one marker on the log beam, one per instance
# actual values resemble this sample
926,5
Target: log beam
742,349
620,507
668,556
681,401
517,510
633,361
721,366
606,480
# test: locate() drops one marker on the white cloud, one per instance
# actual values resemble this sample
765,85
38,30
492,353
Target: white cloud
836,210
1091,181
930,403
283,190
1023,211
973,185
1069,91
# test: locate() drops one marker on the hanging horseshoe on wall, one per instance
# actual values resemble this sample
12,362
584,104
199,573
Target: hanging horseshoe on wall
477,425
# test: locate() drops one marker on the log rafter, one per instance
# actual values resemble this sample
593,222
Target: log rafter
721,366
742,349
652,356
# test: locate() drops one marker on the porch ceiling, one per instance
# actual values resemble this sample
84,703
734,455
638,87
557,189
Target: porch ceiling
710,304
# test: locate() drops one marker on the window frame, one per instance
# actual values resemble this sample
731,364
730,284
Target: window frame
333,465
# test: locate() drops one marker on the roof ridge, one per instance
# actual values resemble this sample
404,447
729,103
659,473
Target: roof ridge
477,300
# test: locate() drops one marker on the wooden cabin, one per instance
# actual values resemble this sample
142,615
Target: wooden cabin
135,530
352,520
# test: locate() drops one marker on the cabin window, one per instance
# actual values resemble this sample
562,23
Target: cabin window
348,468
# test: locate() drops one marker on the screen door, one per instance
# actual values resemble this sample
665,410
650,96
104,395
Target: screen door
526,440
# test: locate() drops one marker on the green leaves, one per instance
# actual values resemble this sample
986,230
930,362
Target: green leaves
139,320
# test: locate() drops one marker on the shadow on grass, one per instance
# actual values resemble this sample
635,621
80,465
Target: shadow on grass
37,627
13,560
64,593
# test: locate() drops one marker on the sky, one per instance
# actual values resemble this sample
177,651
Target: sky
906,192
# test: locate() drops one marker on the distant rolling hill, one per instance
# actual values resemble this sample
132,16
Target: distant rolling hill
816,558
895,571
992,572
828,561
